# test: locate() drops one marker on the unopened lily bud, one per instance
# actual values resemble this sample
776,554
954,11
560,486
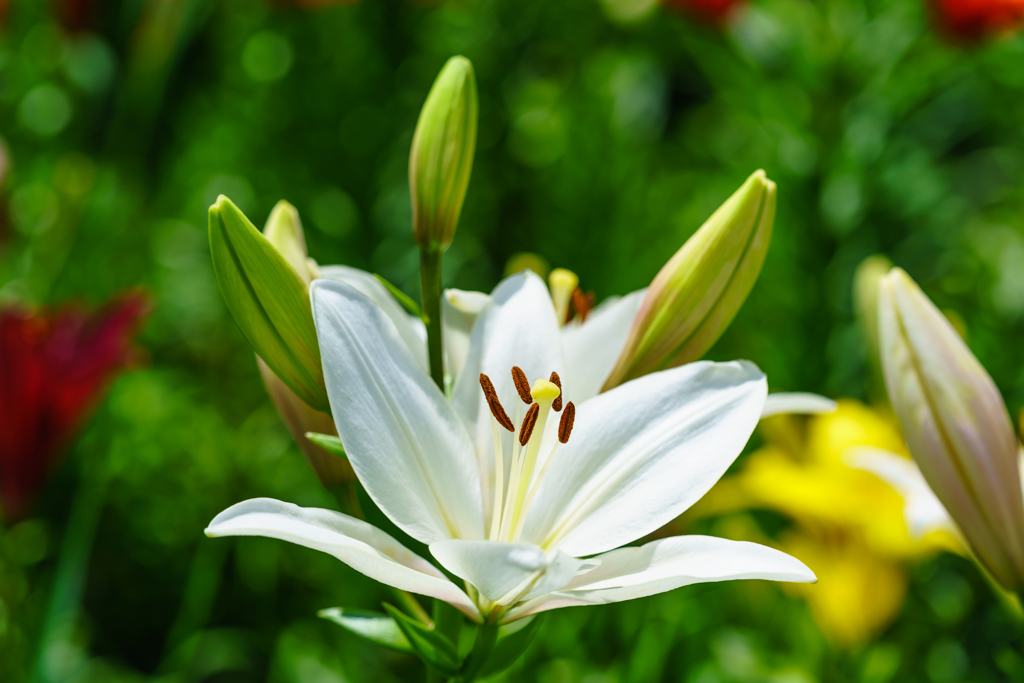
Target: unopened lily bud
955,424
442,154
269,301
284,231
300,419
698,292
865,297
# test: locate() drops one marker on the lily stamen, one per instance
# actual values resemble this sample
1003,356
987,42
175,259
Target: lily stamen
557,381
522,384
529,422
509,504
565,424
497,410
582,303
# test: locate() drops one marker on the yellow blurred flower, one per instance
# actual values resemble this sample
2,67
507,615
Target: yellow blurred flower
848,525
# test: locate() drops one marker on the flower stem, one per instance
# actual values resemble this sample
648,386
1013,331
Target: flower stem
430,283
486,637
69,583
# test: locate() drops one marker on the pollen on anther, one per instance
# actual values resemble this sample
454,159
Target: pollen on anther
565,424
557,381
491,396
529,422
522,384
582,303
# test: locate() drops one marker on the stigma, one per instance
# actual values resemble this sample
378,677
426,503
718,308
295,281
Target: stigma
512,502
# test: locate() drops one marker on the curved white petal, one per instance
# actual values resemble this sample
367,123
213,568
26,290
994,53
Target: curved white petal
800,403
459,311
404,441
922,510
505,571
361,546
592,347
643,453
664,565
410,328
517,327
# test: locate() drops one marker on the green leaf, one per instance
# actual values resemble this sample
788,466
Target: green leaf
373,626
432,647
403,298
268,300
513,639
329,443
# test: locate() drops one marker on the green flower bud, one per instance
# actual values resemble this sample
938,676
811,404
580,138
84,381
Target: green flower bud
955,423
442,154
300,419
697,293
284,231
268,299
865,298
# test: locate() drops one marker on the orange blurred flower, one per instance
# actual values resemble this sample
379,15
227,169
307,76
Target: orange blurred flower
54,367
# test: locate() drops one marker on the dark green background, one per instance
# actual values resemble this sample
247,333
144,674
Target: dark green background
602,146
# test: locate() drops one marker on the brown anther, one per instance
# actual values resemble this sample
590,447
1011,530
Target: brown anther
557,381
565,424
522,384
494,404
582,303
529,422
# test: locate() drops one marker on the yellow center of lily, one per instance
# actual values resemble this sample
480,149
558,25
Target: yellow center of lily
511,503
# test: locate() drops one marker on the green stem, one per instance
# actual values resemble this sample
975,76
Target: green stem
486,637
430,283
72,568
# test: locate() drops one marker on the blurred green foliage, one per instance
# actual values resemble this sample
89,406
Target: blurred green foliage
602,146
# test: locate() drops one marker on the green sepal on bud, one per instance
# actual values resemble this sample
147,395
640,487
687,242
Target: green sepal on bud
268,298
442,154
695,296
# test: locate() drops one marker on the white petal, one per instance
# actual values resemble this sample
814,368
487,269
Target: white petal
507,570
517,327
410,328
670,563
643,453
799,403
459,311
593,347
404,441
361,546
922,510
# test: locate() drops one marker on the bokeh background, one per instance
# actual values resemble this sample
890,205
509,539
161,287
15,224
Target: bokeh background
609,130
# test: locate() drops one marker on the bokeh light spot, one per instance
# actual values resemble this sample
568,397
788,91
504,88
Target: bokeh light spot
45,110
90,64
266,57
334,212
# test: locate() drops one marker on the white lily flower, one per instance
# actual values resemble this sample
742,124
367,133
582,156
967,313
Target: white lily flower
529,519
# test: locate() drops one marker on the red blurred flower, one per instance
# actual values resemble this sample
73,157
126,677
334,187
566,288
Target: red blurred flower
714,11
976,19
54,367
